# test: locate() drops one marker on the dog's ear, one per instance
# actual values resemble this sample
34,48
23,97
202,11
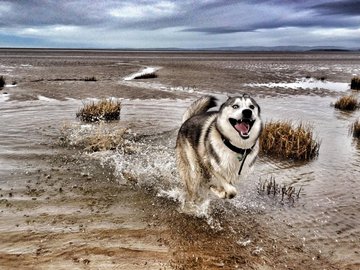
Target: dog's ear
226,102
256,104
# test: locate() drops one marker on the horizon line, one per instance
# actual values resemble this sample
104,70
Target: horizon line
280,48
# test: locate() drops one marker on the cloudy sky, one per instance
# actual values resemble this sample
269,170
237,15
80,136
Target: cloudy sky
181,24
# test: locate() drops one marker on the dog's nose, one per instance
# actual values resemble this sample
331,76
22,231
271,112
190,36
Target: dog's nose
247,113
230,195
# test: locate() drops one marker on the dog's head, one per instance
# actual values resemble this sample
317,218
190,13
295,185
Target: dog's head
239,117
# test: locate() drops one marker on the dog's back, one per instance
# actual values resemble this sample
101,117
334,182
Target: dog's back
194,118
194,125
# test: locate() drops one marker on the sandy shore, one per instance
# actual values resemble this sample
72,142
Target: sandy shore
74,214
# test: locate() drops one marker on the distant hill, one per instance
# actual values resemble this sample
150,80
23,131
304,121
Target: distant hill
219,49
284,48
257,49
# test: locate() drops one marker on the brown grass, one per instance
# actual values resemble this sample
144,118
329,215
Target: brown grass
105,110
346,103
2,81
285,140
271,188
90,79
355,83
355,129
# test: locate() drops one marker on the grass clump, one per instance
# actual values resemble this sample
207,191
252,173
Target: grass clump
105,110
355,83
90,79
282,139
2,81
150,75
355,129
271,188
346,103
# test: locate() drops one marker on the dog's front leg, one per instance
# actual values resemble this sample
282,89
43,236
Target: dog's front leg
222,188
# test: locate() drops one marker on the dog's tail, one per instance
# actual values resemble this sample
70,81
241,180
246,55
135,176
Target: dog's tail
200,106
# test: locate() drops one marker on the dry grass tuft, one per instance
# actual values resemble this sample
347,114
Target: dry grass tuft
105,110
271,188
2,81
284,140
150,75
346,103
90,79
355,83
355,129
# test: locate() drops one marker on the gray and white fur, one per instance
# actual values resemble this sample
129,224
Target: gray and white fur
216,149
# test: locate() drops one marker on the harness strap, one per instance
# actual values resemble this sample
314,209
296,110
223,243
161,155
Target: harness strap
247,151
243,152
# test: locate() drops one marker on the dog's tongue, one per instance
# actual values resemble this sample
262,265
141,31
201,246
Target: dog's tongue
243,128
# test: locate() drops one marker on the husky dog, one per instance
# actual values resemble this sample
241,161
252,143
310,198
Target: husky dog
215,149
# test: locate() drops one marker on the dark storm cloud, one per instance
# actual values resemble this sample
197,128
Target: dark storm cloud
252,28
300,14
213,17
174,20
350,7
39,13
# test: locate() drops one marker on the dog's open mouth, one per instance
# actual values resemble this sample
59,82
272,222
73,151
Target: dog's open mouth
243,126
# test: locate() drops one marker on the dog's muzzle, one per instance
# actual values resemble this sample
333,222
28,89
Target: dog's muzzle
243,125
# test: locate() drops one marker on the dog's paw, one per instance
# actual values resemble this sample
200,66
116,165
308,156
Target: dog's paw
220,192
226,192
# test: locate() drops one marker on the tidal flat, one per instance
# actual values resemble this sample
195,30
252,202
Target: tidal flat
63,206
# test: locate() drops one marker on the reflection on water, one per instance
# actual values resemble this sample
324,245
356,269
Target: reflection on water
327,211
26,128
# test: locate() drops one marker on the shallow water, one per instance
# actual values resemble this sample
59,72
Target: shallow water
327,211
326,216
305,83
26,128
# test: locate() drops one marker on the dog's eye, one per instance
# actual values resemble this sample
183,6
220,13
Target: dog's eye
235,106
252,107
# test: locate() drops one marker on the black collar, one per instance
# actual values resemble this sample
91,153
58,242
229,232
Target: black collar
243,153
235,148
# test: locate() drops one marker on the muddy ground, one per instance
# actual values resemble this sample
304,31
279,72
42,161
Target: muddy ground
72,213
64,210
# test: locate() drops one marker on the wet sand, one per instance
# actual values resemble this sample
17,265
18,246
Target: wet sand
61,208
